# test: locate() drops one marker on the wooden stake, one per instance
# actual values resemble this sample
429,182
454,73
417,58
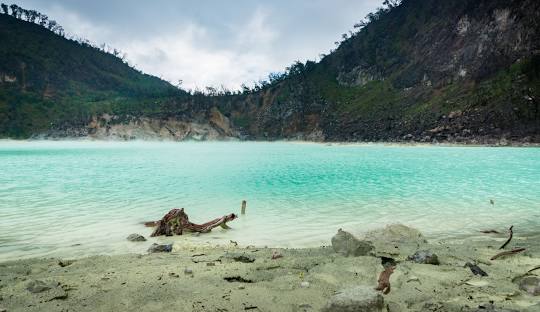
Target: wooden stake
244,203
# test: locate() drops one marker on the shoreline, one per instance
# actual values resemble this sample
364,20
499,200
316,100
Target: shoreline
231,278
328,143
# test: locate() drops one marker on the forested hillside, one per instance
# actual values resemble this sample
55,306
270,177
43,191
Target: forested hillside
419,70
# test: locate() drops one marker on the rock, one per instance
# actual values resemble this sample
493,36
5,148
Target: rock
160,248
136,238
37,286
477,283
358,298
304,284
188,271
476,269
2,309
346,244
47,291
396,241
424,257
240,257
530,284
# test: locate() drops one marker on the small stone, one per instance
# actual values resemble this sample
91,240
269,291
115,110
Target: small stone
188,271
424,257
172,274
210,264
241,287
477,283
530,284
136,238
304,284
160,248
346,244
38,286
358,298
276,255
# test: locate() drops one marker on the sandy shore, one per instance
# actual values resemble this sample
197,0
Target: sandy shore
232,278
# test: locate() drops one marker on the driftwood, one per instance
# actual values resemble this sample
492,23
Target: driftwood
510,230
507,253
384,279
176,222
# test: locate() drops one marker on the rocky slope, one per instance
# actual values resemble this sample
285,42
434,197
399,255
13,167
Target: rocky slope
464,71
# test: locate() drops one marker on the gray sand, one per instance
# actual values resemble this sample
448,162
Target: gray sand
230,278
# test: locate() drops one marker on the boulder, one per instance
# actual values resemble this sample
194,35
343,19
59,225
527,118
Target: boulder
160,248
346,244
136,238
355,299
396,241
530,284
424,257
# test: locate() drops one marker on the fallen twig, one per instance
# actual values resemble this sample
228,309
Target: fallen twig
534,269
507,253
490,232
384,279
509,238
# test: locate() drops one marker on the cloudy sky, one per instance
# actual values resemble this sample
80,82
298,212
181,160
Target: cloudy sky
209,42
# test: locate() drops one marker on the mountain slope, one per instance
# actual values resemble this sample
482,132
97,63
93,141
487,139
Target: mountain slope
426,70
465,71
45,78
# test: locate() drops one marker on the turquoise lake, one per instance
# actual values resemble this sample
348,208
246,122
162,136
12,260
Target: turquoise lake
72,199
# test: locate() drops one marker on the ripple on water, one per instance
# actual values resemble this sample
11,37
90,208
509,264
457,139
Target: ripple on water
80,198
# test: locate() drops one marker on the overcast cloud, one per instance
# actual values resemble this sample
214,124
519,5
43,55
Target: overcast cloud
209,42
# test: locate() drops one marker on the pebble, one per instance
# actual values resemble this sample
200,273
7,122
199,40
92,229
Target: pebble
188,271
304,284
136,238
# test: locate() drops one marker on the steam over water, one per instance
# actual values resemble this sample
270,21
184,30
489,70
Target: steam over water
70,199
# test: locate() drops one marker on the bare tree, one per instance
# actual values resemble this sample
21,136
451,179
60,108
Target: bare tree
14,10
4,8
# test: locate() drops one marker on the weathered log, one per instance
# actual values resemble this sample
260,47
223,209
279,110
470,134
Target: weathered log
176,222
507,253
384,279
510,230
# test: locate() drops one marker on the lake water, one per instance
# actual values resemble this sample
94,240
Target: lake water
71,199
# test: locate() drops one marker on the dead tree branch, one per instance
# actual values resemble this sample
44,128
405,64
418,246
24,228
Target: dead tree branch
176,222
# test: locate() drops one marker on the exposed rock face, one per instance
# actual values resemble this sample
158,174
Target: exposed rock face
346,244
355,299
127,128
